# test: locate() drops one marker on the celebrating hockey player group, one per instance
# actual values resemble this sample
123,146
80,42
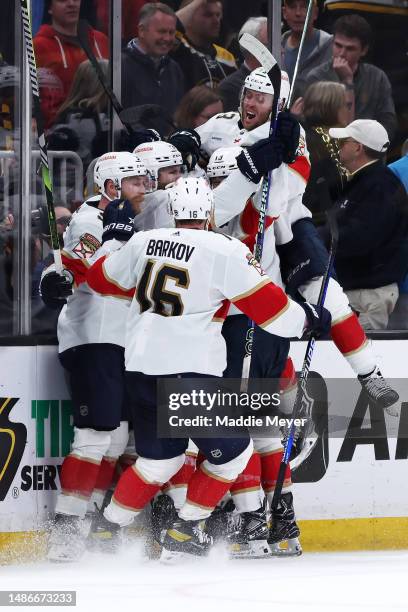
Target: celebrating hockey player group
159,282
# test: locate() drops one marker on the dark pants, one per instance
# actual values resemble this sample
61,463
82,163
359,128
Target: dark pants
269,352
142,393
96,375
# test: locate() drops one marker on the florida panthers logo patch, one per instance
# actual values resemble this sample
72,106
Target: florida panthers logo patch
301,148
253,262
86,246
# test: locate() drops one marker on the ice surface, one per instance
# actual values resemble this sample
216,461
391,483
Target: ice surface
360,581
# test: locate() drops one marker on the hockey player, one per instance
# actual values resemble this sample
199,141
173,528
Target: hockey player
250,537
183,277
346,331
91,334
165,163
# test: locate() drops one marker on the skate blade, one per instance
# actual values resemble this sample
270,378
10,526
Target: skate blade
286,548
173,557
258,549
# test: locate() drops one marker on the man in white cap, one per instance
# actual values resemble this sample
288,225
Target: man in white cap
373,224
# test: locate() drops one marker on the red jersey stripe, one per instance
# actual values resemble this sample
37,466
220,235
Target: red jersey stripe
302,166
77,267
100,282
264,303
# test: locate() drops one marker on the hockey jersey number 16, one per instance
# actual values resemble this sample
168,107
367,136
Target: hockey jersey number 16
180,282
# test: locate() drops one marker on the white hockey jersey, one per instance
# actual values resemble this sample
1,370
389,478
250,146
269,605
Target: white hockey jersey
88,317
238,201
180,282
154,212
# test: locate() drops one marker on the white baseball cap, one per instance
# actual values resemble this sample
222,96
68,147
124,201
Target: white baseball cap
367,132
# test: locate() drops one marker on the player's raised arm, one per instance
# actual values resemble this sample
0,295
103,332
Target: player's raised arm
252,291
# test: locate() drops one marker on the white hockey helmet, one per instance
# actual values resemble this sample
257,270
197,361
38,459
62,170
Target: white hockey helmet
117,165
223,161
191,199
258,80
157,155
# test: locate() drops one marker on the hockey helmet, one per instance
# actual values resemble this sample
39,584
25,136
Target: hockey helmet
258,80
191,199
223,161
157,155
117,165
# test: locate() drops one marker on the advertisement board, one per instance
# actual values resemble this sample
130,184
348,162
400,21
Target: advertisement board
347,483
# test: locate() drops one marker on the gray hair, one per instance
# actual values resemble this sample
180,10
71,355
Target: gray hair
149,10
252,26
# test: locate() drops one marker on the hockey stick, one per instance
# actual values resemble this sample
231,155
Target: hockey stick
82,33
302,41
37,113
266,59
302,383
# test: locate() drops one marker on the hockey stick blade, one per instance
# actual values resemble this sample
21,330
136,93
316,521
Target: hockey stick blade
258,50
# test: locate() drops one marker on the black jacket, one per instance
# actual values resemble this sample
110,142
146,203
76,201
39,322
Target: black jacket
373,230
147,82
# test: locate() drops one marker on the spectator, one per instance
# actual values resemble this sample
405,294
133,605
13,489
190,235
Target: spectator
84,113
372,89
149,75
230,88
197,106
51,93
325,105
57,47
373,224
202,61
389,20
317,47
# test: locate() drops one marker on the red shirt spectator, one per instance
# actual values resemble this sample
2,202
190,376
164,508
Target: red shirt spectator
57,48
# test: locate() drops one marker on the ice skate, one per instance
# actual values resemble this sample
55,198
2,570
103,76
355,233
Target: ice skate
67,539
162,516
185,539
379,392
249,540
222,521
284,533
104,536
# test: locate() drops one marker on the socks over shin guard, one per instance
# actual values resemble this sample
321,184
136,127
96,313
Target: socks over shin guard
204,492
176,487
350,339
270,463
105,475
133,491
78,476
246,489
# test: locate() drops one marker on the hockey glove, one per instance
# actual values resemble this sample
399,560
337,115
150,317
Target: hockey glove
188,142
138,137
55,288
318,320
288,133
258,159
118,221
